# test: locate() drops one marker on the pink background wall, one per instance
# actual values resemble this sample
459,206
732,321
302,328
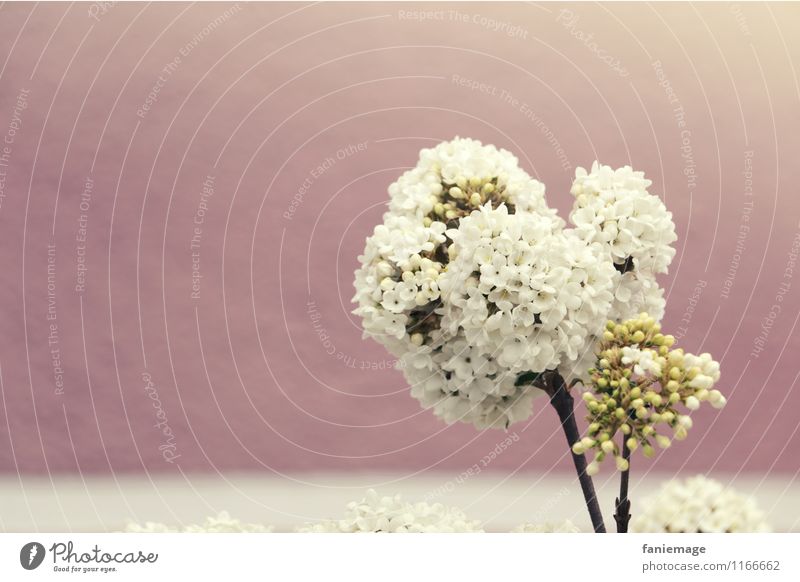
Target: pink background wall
246,374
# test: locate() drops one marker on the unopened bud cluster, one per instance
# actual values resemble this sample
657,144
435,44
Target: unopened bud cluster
459,197
638,386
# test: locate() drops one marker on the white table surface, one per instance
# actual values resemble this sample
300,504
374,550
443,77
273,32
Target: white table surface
500,501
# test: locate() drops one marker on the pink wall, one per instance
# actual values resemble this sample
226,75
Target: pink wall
260,99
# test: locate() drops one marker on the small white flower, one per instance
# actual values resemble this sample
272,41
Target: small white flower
644,361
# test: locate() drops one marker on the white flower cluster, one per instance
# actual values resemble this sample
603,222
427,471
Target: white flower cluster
563,527
472,280
699,505
375,514
222,523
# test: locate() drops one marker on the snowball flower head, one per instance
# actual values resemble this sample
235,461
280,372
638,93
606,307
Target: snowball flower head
472,281
699,505
613,207
222,523
376,514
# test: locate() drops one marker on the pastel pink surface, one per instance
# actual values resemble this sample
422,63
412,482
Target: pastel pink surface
265,369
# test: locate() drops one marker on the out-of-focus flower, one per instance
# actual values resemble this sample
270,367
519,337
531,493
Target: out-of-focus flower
375,514
222,523
698,505
150,527
636,387
563,527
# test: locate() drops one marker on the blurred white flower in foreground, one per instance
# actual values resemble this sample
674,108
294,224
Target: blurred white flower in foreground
375,514
698,505
222,523
563,527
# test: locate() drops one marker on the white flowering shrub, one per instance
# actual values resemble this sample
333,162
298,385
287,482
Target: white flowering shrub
472,281
699,505
376,514
222,523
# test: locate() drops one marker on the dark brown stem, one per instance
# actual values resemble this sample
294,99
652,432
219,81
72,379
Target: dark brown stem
562,401
622,514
